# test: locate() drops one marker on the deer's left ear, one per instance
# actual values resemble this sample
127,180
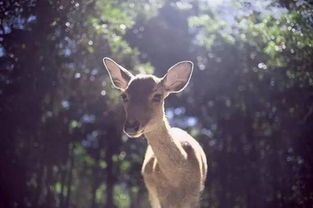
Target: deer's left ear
177,77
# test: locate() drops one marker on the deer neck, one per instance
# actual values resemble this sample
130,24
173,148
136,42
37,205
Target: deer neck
161,130
167,149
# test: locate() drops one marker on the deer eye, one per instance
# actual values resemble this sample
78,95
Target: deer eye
157,98
124,97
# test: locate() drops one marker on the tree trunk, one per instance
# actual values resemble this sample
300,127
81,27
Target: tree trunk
70,175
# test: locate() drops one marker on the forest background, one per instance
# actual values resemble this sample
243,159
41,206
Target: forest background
249,102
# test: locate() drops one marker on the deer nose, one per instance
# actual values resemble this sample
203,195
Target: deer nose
131,127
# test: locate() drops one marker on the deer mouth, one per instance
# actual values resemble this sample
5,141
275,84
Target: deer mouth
135,134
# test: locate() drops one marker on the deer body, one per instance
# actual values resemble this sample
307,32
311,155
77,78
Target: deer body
175,166
175,182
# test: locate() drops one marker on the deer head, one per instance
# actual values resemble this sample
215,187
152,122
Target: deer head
143,95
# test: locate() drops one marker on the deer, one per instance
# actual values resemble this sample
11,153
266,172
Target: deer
175,166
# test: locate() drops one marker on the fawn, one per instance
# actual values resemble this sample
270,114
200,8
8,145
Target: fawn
175,166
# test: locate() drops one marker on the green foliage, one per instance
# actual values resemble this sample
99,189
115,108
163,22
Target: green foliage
249,102
121,197
211,29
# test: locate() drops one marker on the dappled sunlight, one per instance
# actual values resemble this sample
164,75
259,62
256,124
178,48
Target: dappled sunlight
248,102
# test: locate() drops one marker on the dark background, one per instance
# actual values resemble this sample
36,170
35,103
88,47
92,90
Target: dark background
249,103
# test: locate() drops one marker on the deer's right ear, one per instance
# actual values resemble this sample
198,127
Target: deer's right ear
120,76
177,77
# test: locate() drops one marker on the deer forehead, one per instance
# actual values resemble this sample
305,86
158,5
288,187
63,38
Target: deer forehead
142,86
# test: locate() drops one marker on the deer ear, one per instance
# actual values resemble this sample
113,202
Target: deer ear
120,76
177,77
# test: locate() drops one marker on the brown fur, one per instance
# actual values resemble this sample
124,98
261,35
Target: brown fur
175,166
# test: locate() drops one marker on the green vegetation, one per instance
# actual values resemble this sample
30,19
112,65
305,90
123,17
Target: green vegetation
249,103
